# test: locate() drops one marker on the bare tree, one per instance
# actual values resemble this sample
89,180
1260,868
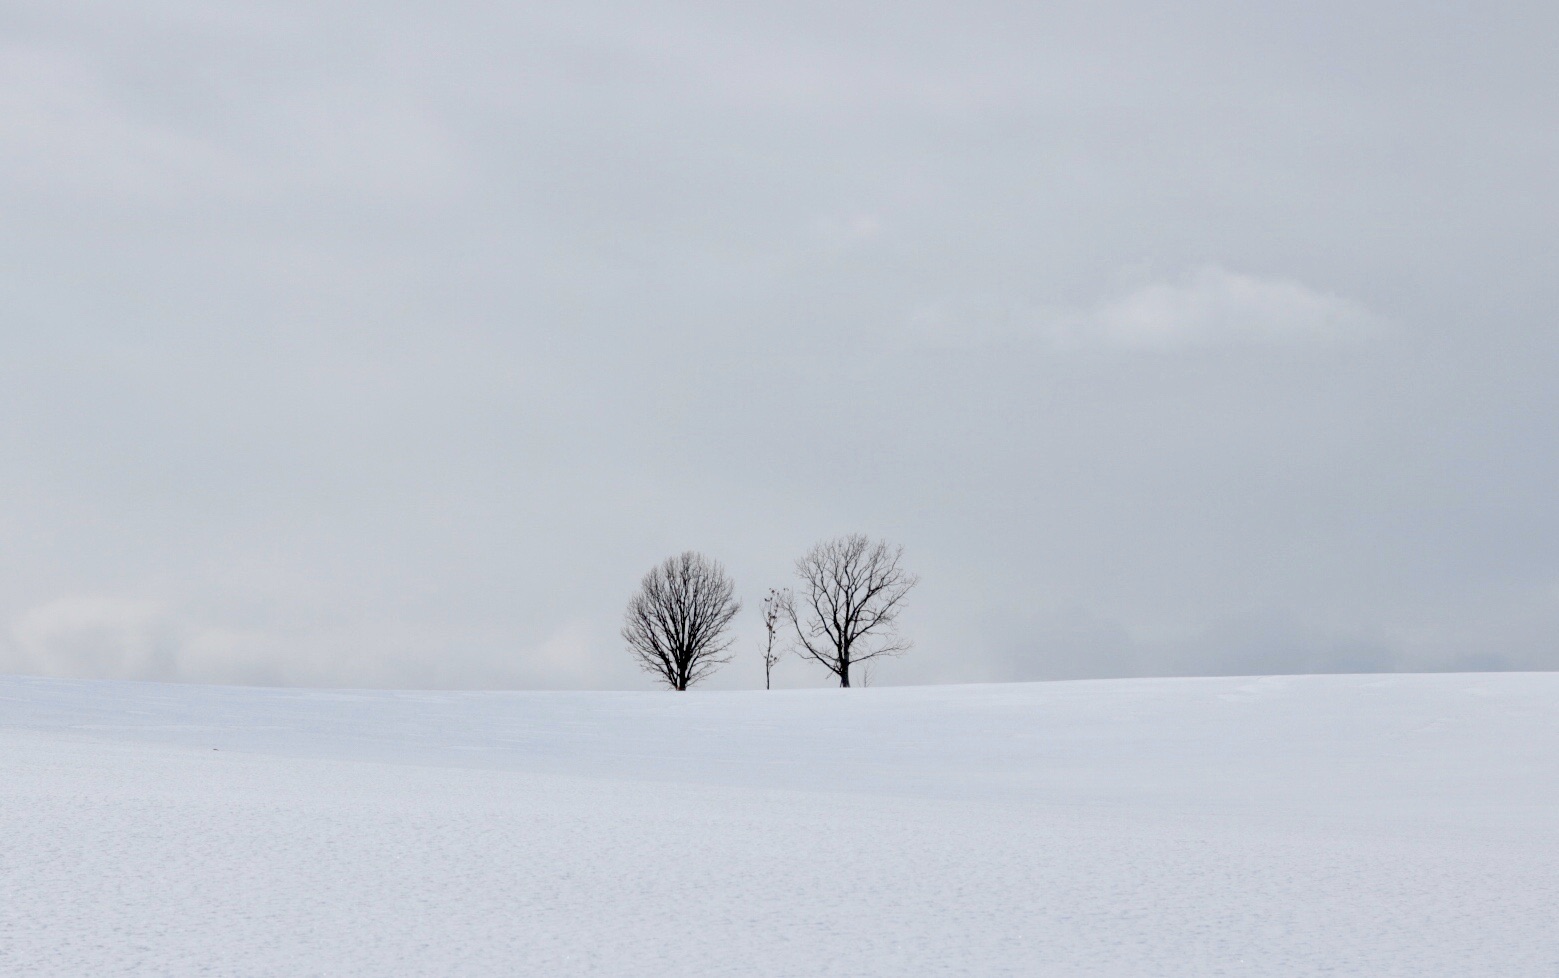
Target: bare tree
852,589
675,626
774,605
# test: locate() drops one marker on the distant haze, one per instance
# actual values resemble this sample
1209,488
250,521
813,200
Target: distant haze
389,345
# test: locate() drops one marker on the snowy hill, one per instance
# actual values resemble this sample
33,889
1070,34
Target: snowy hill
1338,825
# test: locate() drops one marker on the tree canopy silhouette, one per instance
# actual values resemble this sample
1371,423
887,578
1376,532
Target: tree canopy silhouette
676,624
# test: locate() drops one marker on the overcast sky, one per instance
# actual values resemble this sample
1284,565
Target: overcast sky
389,344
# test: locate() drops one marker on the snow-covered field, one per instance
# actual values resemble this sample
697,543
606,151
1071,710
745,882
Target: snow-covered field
1326,825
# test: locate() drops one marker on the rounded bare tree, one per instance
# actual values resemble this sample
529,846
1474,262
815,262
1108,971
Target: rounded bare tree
846,610
675,626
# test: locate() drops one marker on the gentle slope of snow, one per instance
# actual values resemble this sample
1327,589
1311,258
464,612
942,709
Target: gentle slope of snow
1336,825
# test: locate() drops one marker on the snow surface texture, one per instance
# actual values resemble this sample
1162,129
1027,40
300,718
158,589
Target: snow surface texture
1322,825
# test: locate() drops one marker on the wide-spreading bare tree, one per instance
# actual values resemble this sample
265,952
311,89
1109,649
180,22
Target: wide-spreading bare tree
675,626
774,605
852,589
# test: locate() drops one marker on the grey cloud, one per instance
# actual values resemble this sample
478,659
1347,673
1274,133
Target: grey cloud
391,347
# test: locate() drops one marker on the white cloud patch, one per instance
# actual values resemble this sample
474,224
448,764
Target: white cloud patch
96,637
1214,306
1209,307
566,659
112,637
109,637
